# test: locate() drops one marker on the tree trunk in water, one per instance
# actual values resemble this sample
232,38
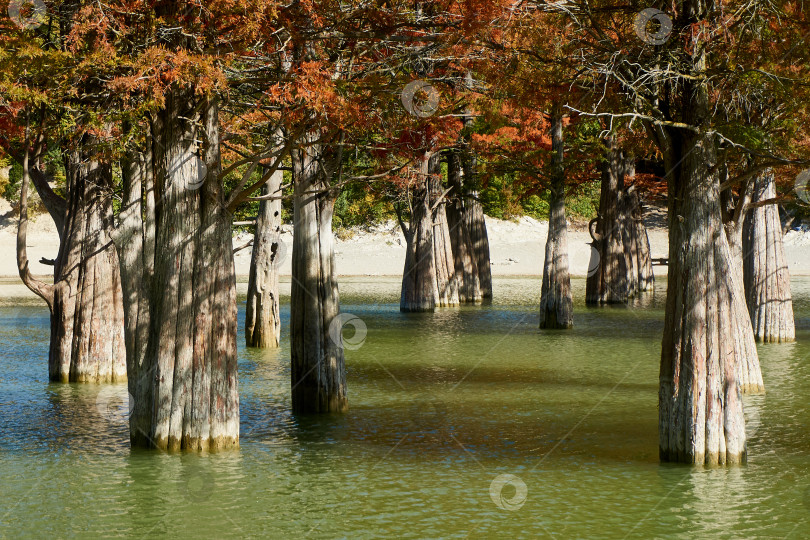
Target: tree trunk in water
262,322
429,277
85,301
620,267
765,269
466,267
184,380
610,274
556,305
733,212
700,402
318,367
474,215
645,280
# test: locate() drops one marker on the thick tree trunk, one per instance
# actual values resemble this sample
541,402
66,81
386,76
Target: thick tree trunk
610,278
556,305
700,400
184,381
466,266
318,367
87,318
621,267
765,269
700,403
474,214
85,301
645,280
262,322
429,277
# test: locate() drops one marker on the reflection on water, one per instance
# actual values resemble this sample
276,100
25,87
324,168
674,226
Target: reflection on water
444,406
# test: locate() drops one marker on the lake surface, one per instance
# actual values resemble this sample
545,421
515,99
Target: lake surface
464,423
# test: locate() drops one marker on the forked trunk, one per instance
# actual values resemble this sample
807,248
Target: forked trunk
318,367
466,266
556,305
700,402
429,277
85,301
765,268
734,210
262,322
184,380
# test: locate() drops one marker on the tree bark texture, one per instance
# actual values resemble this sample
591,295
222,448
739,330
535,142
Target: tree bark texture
181,290
734,208
429,278
85,300
621,267
466,265
700,399
262,321
318,366
476,222
765,268
556,304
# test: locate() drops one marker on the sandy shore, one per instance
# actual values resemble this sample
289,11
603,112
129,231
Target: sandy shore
517,249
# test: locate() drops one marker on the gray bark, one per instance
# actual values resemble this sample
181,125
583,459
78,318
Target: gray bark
622,267
765,268
318,366
262,321
734,209
466,265
429,278
700,399
85,300
476,222
556,304
183,379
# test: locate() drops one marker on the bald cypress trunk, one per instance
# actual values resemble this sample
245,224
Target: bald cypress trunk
476,223
700,403
734,210
184,379
645,278
765,268
556,305
318,366
621,267
466,265
700,400
85,300
429,277
262,321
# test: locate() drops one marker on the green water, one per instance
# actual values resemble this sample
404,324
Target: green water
441,405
